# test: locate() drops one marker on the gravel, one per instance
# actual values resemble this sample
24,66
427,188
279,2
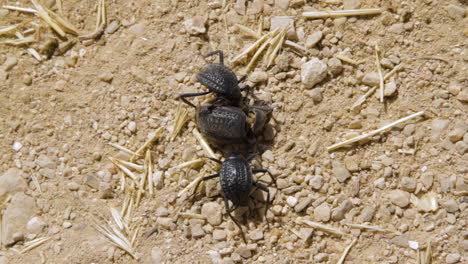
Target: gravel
399,198
313,72
212,211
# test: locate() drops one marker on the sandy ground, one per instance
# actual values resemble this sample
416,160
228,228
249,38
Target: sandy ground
58,116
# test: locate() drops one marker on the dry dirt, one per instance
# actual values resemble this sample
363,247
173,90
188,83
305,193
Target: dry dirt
121,88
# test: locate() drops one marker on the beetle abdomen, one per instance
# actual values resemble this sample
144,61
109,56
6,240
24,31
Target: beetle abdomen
236,180
221,123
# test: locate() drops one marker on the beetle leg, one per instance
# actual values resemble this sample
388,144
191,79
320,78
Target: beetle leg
203,179
216,52
226,204
267,202
267,171
183,96
251,157
213,159
243,78
261,108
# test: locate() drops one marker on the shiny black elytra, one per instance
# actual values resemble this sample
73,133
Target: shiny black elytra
237,182
220,80
222,124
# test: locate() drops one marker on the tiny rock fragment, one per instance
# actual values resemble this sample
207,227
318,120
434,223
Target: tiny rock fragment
305,233
408,184
452,258
291,200
113,26
303,204
451,206
457,134
371,79
463,96
316,95
256,235
73,186
106,76
454,88
3,75
455,11
316,182
351,4
258,76
240,7
219,235
105,190
197,231
340,212
92,181
17,146
322,213
244,252
367,214
196,25
335,66
44,161
10,62
313,39
283,21
390,89
400,198
16,216
313,72
212,212
36,225
138,29
340,171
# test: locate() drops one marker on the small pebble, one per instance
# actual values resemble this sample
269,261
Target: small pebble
322,213
452,258
399,198
73,186
371,79
313,72
313,39
219,235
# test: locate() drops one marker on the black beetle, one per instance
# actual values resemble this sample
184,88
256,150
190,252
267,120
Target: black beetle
237,182
222,124
221,80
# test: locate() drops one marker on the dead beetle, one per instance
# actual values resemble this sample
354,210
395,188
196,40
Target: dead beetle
222,124
221,80
237,182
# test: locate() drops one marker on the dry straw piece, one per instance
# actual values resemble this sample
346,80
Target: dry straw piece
346,252
34,243
379,70
341,13
373,133
19,9
372,228
204,143
180,120
321,227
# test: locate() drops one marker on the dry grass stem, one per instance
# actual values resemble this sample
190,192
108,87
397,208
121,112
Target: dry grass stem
428,258
393,71
141,150
190,185
363,98
42,13
59,6
8,29
249,31
296,46
19,42
128,164
7,200
347,59
346,252
134,236
20,9
129,173
126,150
95,34
35,54
149,162
379,70
321,227
342,13
34,243
372,228
36,182
374,132
251,48
192,215
277,45
121,223
189,164
180,120
67,26
204,144
116,237
256,56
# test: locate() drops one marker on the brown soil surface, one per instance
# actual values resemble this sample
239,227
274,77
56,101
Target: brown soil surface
122,87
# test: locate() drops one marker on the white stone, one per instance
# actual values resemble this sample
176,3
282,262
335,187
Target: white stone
313,72
17,146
